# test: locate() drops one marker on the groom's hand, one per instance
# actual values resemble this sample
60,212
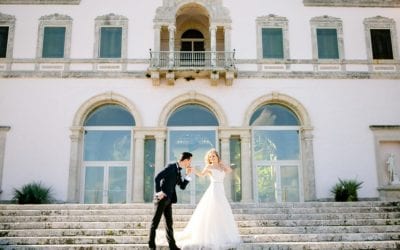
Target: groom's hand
189,170
160,195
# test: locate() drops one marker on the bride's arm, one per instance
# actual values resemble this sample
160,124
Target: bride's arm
202,173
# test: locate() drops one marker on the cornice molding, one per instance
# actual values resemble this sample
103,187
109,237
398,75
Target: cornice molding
353,3
43,2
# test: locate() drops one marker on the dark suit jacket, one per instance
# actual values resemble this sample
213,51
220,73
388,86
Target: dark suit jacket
167,179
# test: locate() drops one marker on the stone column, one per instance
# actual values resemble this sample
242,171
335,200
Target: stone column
213,45
138,168
227,45
156,50
227,38
247,176
308,165
225,156
171,29
75,166
3,135
159,161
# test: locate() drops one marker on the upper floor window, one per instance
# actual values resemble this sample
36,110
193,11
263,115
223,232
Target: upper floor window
272,37
3,41
7,27
53,42
327,38
111,36
380,33
327,44
381,43
110,42
272,43
54,36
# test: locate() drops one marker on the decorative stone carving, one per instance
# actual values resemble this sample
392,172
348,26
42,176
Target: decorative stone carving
353,3
392,170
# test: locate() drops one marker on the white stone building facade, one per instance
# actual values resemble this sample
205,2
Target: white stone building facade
96,96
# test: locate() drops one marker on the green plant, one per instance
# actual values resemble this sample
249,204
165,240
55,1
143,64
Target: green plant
33,193
346,190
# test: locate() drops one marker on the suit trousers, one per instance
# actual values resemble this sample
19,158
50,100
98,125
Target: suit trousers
163,206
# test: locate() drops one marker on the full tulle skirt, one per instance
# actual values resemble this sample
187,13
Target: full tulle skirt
212,225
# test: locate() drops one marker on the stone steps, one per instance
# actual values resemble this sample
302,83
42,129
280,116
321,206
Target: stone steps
243,231
310,225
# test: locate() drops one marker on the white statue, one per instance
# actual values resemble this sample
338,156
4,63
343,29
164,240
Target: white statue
392,171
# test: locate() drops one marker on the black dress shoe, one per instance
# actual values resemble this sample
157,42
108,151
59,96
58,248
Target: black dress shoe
175,248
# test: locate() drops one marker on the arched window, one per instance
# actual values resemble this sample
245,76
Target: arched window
192,115
192,128
276,154
107,154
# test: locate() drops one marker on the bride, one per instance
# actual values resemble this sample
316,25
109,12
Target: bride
212,225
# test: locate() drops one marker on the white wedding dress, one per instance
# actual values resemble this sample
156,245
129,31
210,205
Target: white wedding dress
212,225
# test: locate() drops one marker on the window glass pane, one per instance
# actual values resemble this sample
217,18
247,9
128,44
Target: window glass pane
381,44
107,145
273,145
236,159
272,42
290,183
53,42
327,44
111,42
273,114
198,142
117,185
3,41
94,180
149,167
266,179
110,115
192,115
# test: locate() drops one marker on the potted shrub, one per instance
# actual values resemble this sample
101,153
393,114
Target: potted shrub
346,190
33,193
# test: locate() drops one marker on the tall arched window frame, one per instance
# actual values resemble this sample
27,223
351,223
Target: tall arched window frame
276,152
107,155
192,128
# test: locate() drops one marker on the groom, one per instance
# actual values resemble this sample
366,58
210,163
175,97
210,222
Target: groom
165,196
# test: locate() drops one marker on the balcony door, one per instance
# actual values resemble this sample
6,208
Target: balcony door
192,48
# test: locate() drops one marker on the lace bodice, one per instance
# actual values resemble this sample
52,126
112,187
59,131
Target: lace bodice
217,175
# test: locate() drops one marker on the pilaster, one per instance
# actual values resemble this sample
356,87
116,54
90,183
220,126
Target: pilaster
138,168
3,135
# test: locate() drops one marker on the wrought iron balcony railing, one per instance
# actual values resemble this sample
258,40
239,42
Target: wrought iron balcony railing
192,60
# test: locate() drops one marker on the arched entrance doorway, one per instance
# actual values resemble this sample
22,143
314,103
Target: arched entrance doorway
107,155
276,154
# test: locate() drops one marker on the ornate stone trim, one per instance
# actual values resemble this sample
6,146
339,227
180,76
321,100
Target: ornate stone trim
49,2
273,21
166,14
353,3
111,20
327,22
8,20
192,97
54,20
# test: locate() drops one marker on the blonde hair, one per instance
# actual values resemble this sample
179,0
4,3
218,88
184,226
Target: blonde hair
206,157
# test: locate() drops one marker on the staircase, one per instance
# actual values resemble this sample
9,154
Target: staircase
308,225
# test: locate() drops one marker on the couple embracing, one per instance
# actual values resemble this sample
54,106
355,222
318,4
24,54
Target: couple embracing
212,225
